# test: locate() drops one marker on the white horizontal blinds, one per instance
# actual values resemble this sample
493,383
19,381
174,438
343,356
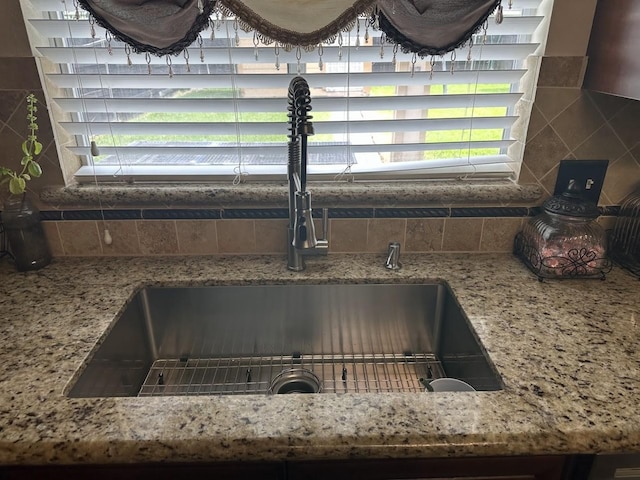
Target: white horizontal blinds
402,111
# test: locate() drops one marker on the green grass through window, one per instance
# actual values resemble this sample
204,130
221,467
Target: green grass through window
281,117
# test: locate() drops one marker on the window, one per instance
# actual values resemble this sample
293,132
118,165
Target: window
220,108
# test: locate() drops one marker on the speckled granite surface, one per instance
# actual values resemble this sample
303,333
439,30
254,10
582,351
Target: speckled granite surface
567,352
225,195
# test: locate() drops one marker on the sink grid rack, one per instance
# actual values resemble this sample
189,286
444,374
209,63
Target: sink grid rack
253,375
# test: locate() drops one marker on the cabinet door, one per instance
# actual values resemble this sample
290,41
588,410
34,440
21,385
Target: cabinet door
217,471
614,63
502,468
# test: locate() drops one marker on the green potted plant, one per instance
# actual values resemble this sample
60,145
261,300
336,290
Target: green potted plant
20,218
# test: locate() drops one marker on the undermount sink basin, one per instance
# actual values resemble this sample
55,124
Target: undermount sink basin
286,338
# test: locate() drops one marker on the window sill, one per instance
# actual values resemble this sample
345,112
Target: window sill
273,195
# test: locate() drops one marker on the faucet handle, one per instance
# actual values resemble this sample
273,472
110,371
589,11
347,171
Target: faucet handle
325,224
322,245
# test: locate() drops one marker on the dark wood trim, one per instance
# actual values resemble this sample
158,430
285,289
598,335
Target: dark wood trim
168,471
549,467
538,468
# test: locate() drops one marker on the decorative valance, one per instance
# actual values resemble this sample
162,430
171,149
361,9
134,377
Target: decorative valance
433,27
167,27
298,23
159,27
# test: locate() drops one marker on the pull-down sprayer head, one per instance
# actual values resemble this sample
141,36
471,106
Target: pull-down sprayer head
305,232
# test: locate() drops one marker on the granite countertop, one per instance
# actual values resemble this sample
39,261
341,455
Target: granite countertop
274,194
566,350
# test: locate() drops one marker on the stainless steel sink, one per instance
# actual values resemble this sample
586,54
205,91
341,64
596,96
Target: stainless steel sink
286,338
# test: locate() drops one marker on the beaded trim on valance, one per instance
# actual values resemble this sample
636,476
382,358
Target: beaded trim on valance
159,27
167,27
432,27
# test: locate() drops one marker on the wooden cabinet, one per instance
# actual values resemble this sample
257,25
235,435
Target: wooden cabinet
169,471
503,468
614,49
481,468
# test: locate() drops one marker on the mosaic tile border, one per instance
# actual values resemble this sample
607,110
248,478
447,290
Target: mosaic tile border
280,213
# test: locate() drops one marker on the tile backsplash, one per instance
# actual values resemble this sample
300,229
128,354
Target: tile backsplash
208,237
566,122
459,230
570,123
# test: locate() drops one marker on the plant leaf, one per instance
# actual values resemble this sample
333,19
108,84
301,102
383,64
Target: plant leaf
37,148
26,159
17,185
34,169
25,148
26,176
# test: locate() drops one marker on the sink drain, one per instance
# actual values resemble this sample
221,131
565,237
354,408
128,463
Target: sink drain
295,380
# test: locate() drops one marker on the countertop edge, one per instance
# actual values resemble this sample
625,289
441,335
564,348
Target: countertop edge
226,195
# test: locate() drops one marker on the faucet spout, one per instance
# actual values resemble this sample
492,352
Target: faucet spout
301,233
